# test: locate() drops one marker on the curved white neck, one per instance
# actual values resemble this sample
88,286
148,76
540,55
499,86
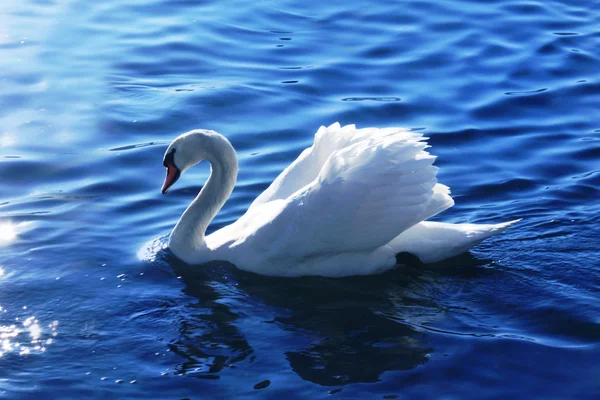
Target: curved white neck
188,235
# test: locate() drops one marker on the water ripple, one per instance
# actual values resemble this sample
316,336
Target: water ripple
91,95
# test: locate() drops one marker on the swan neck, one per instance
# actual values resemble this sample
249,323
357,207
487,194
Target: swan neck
189,233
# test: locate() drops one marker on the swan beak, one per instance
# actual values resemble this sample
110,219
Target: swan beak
173,174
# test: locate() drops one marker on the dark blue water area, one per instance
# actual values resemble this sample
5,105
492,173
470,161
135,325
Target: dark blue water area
92,92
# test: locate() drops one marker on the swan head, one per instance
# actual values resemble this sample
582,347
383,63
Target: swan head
184,152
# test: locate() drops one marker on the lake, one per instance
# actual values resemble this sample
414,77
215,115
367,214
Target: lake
91,94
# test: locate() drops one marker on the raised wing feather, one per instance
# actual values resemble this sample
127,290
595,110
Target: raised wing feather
305,169
365,194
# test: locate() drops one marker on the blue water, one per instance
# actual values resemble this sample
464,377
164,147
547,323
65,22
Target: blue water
91,93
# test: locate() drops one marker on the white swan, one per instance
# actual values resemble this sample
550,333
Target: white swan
346,206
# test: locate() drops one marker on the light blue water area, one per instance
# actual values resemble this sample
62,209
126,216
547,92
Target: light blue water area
92,92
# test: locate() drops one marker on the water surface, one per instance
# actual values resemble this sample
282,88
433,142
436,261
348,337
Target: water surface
91,93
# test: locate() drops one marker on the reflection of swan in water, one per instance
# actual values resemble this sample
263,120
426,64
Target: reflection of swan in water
330,332
354,345
208,338
347,206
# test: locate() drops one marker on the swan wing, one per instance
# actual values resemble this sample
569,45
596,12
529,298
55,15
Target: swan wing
365,194
307,167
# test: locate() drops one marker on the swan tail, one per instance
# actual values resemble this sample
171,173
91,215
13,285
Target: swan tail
436,241
498,228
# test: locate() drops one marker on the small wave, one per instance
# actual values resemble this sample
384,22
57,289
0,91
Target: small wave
372,99
150,250
526,92
137,146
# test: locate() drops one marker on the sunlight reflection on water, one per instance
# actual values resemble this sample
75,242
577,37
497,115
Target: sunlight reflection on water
8,233
8,140
26,338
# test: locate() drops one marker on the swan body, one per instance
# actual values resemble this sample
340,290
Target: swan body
346,206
